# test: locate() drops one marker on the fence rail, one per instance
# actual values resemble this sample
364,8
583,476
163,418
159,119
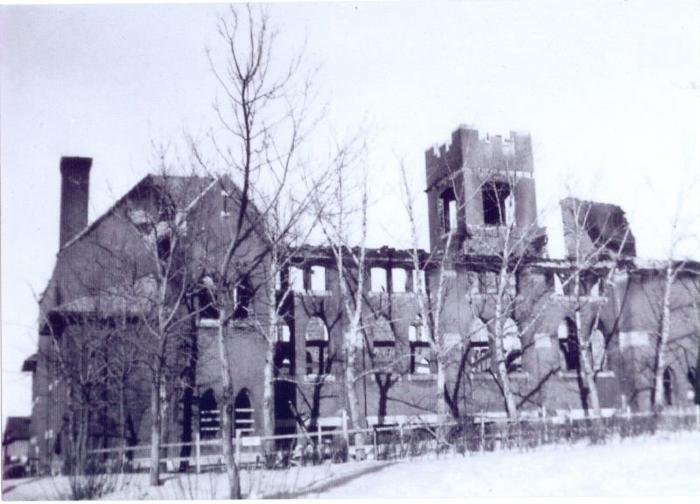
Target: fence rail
474,434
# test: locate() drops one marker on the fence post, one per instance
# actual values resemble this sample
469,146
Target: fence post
374,439
697,416
197,453
482,430
544,425
401,438
344,416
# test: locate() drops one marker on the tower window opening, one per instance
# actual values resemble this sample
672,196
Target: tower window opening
497,203
447,210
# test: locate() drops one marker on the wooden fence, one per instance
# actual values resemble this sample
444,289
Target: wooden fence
480,433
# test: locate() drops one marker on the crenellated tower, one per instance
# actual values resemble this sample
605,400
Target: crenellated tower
483,189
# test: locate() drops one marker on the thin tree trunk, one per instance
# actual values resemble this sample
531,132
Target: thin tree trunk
268,412
155,433
350,381
658,397
585,364
226,409
511,406
441,400
268,392
122,426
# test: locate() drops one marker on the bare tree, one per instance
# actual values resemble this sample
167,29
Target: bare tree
672,269
265,119
350,262
597,240
431,302
158,295
75,366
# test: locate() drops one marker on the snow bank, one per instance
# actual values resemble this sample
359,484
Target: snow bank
667,464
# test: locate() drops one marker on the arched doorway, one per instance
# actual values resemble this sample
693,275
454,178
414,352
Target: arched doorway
668,383
244,424
208,415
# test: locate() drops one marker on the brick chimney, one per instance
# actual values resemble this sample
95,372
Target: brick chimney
75,184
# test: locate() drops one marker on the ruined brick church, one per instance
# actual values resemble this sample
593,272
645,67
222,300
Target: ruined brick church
479,190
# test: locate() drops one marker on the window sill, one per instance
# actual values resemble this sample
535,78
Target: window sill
605,374
569,375
324,293
313,378
210,323
585,299
422,377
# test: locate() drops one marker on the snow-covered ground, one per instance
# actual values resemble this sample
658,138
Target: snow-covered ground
666,464
260,483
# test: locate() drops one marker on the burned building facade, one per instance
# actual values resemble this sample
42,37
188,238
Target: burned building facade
487,251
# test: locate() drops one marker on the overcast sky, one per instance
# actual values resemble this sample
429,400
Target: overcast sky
609,91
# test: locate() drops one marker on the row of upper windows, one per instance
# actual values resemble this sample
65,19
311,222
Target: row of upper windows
314,279
395,280
382,280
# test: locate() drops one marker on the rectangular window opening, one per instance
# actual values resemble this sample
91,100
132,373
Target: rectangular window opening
318,279
498,208
399,280
378,280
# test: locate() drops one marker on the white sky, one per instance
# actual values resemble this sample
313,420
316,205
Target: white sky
609,92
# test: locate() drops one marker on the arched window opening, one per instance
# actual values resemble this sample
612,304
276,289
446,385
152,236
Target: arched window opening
243,421
479,352
512,346
243,299
207,309
598,353
309,363
316,346
668,383
568,344
209,415
420,349
383,342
